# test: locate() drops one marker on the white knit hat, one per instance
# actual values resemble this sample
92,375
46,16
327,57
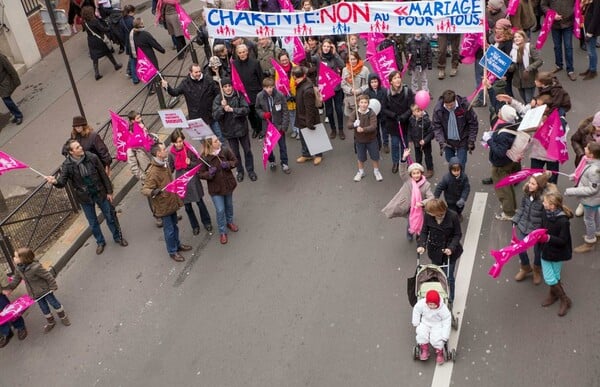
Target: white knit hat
508,114
414,166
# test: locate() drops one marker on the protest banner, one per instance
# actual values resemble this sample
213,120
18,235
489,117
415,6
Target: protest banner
179,185
327,81
120,130
173,118
317,140
184,20
496,61
272,136
198,129
383,63
144,67
7,163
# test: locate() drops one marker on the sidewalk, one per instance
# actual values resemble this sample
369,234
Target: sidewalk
47,101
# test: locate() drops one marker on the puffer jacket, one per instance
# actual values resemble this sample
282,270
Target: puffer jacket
453,187
38,280
233,124
368,121
588,187
439,319
559,247
100,182
420,52
420,129
436,237
165,203
528,216
500,142
562,7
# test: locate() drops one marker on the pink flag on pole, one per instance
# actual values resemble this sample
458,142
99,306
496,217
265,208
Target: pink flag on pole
144,67
237,83
242,5
139,138
548,129
577,19
282,82
383,63
557,144
286,5
299,54
179,185
120,130
327,81
468,48
517,177
506,253
579,169
271,138
191,148
491,79
405,67
373,40
7,163
15,309
511,9
184,20
545,31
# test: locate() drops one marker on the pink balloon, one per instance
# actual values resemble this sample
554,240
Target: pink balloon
422,99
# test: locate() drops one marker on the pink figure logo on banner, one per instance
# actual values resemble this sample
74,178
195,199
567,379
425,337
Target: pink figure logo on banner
506,253
139,138
184,20
373,40
8,163
179,185
552,136
237,83
120,129
282,81
517,177
328,80
144,67
299,54
511,9
545,31
470,44
15,309
271,138
383,63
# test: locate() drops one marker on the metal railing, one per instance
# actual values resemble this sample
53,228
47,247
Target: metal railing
30,6
42,213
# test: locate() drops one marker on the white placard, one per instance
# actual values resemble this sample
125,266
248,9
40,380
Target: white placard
317,141
532,118
198,129
173,118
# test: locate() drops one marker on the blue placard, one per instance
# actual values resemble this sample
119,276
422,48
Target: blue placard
496,61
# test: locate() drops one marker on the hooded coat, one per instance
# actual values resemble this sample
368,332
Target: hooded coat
453,187
559,246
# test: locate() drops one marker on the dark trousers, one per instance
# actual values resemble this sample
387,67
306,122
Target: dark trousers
424,150
282,151
204,215
549,165
234,144
443,40
12,107
255,120
334,108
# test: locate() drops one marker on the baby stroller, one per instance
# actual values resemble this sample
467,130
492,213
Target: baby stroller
431,277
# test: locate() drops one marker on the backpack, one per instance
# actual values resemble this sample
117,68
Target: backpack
318,97
519,145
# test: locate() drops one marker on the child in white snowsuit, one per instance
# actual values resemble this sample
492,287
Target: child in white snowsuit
433,320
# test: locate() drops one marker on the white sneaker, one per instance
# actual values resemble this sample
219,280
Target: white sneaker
326,119
378,176
359,175
285,169
503,216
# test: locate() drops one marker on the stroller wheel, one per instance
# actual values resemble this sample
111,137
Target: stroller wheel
416,352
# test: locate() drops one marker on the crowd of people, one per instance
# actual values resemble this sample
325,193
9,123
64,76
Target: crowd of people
400,126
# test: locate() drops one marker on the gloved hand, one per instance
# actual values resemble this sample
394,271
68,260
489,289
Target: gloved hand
545,238
212,171
156,192
291,99
224,165
267,115
356,123
471,147
460,203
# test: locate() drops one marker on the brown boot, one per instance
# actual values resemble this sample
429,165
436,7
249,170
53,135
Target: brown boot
537,275
50,323
565,302
586,247
63,318
524,271
552,297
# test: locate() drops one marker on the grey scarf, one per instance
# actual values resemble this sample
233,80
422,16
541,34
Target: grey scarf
452,125
83,171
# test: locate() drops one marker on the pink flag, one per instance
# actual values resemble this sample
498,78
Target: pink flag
120,130
373,40
139,138
286,5
191,148
15,309
577,19
271,137
179,185
282,82
299,53
8,163
237,83
546,26
511,9
242,5
579,169
184,20
517,177
327,81
553,137
383,63
506,253
491,79
144,67
468,48
405,67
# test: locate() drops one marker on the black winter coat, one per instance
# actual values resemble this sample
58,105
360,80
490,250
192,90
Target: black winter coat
559,247
69,172
500,143
146,42
396,108
420,129
96,29
592,18
420,52
437,237
251,75
199,96
454,188
233,124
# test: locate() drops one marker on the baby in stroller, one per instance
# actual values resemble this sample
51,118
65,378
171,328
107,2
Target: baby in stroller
433,321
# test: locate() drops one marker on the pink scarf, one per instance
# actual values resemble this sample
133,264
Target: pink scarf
181,155
579,169
415,218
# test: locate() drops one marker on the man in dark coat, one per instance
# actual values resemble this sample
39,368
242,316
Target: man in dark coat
307,114
9,81
252,76
199,92
92,187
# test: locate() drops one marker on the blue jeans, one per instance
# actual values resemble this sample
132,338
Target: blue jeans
19,323
335,103
397,148
131,65
48,299
549,165
12,107
551,271
224,206
461,153
216,128
293,120
537,251
478,78
592,54
204,215
171,233
560,37
527,94
89,209
591,219
282,151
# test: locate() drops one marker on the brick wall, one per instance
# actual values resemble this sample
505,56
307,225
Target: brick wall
45,42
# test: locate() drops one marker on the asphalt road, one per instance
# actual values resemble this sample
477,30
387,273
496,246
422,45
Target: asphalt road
310,292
